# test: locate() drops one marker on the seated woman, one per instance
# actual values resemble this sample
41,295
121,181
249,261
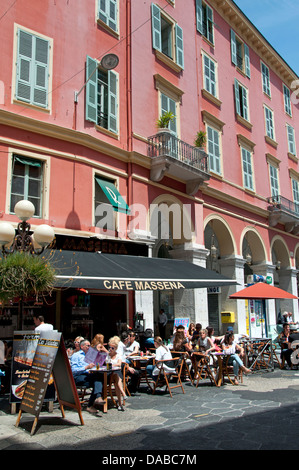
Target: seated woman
229,346
190,331
181,344
215,339
162,353
98,343
205,343
116,360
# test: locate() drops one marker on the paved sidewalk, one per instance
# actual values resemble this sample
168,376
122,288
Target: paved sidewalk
262,413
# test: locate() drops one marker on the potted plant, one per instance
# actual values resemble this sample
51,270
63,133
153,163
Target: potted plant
165,119
201,139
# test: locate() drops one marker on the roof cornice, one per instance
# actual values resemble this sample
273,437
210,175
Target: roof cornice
254,38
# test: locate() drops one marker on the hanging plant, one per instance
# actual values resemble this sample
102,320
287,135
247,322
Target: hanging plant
23,275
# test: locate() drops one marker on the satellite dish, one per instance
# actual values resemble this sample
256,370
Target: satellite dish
109,61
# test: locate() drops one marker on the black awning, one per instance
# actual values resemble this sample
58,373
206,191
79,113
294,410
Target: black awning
122,272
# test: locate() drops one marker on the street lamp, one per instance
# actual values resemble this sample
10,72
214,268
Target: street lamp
24,239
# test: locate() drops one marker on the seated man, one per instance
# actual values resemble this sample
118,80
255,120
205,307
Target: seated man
133,347
83,378
123,351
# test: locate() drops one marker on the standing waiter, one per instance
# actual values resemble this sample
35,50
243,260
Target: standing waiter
162,322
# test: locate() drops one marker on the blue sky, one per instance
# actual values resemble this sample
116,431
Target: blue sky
278,21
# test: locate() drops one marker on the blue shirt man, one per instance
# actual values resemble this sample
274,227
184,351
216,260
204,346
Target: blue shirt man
83,378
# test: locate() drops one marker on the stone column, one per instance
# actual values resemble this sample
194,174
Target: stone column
233,268
288,282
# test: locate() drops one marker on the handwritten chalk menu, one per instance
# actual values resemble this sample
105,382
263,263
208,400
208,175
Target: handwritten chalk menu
24,347
50,358
40,372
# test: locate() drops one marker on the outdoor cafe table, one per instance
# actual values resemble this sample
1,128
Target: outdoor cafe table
105,373
140,362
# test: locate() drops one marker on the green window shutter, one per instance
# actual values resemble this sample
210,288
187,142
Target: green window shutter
41,60
274,181
233,46
247,60
199,26
237,98
179,46
156,27
210,24
291,140
24,66
107,12
113,101
113,195
245,104
91,90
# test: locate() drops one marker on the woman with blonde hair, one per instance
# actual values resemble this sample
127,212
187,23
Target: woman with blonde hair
162,354
116,360
98,343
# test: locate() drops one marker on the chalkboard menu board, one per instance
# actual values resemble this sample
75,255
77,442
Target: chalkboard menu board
40,372
49,358
24,347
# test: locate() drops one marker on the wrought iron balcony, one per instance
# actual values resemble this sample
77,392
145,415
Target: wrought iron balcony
284,211
171,156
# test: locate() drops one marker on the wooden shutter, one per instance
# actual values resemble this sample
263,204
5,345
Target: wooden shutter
179,46
245,104
233,45
24,66
41,60
291,140
237,97
199,26
156,27
91,90
247,60
113,101
210,24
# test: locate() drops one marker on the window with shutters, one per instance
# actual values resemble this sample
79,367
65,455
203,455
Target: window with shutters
269,123
32,69
101,96
247,169
213,149
108,14
287,100
241,101
274,184
26,182
205,20
291,140
167,39
266,79
240,54
295,188
210,75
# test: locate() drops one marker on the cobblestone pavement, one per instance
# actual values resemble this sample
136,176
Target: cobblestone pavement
262,413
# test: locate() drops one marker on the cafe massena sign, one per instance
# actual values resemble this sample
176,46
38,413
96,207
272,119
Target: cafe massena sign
142,285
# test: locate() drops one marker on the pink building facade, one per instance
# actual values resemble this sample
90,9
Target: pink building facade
70,128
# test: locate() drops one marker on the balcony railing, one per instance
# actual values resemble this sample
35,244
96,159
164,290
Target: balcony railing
281,203
167,144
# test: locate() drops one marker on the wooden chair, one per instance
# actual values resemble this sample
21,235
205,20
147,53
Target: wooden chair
83,394
202,368
185,369
165,376
228,370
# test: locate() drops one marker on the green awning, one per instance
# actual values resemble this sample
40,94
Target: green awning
113,196
27,161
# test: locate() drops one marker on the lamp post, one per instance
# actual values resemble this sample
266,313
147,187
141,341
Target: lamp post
23,239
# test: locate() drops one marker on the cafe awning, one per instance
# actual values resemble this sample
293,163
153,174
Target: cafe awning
123,272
